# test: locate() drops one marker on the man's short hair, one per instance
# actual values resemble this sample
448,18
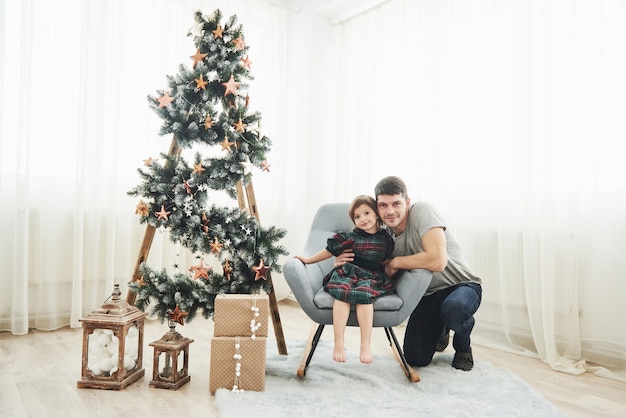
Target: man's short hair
390,185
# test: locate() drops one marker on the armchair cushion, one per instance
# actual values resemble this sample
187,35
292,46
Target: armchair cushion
324,300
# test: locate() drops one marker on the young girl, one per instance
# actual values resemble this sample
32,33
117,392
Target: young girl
360,282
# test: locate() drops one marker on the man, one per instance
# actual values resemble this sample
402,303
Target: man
423,241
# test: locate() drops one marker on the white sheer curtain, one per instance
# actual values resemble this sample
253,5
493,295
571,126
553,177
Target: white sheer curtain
509,116
75,126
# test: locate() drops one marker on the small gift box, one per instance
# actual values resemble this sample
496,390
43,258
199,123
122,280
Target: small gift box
237,363
240,315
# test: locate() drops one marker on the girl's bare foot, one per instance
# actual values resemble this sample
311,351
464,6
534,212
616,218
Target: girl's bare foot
339,354
366,355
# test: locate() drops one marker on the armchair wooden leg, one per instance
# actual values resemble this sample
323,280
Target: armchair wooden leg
311,345
411,374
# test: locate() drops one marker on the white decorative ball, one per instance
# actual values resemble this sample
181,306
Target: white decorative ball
105,364
132,350
113,347
129,363
95,349
103,339
95,370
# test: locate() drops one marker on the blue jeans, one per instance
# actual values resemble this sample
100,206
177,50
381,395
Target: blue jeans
453,308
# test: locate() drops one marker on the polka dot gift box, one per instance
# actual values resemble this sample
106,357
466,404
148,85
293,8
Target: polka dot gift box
238,347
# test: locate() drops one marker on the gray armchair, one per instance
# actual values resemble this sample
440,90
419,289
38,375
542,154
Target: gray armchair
305,282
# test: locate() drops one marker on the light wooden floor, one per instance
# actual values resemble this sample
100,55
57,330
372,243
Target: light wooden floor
39,371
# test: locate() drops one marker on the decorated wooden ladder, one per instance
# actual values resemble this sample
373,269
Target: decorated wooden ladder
247,202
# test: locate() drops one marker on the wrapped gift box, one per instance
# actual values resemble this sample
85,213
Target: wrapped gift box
233,313
223,363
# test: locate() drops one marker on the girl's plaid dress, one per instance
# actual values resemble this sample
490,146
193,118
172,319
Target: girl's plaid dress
364,279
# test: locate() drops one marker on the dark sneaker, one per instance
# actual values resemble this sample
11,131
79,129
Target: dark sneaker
444,340
463,361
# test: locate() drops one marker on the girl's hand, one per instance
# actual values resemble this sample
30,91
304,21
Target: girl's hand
299,257
345,257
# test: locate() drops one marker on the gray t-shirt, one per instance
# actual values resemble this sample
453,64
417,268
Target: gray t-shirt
422,217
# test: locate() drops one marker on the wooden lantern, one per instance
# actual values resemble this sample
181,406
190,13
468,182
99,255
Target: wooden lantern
112,345
170,368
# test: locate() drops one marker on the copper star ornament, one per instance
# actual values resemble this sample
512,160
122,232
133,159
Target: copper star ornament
187,187
165,100
226,144
231,86
197,57
148,161
216,247
178,316
246,62
265,166
240,126
217,33
205,223
239,43
261,271
208,122
201,82
142,209
200,271
228,270
162,214
198,169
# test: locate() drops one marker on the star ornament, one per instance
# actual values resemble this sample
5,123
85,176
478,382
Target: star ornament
162,214
246,62
201,82
142,209
197,57
208,122
198,29
231,86
265,166
198,169
226,144
216,247
239,44
217,33
165,100
228,270
205,223
177,315
200,271
247,167
240,126
187,187
261,271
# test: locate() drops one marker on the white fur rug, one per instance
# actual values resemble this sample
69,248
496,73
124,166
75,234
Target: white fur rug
381,389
